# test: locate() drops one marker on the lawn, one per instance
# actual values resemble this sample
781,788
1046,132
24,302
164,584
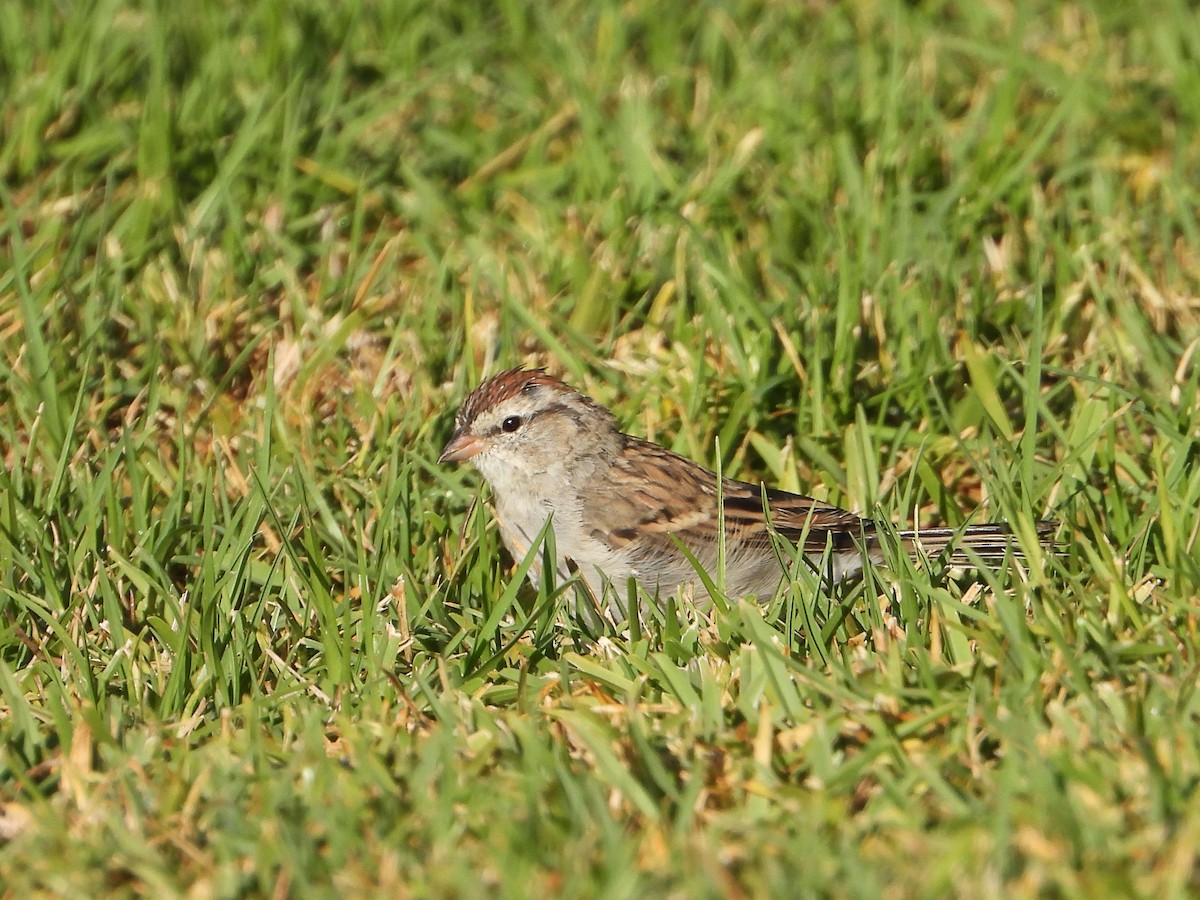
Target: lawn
927,260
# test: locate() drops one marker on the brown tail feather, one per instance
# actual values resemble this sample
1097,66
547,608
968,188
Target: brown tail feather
991,542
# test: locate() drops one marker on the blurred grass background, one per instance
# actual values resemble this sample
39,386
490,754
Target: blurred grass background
925,259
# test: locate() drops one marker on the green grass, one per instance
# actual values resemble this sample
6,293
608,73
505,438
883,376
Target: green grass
927,259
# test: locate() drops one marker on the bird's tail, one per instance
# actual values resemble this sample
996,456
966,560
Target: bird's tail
991,542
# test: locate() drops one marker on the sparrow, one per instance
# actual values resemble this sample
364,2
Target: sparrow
621,507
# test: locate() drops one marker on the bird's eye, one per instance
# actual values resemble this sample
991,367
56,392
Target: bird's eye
511,424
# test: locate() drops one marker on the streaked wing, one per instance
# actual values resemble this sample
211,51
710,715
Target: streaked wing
658,493
816,523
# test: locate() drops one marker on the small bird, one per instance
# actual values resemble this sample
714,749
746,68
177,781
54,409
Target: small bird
621,506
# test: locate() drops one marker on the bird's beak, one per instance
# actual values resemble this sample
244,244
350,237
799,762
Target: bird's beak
462,446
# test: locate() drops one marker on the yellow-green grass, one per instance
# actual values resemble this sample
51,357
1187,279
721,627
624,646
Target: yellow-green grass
928,259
